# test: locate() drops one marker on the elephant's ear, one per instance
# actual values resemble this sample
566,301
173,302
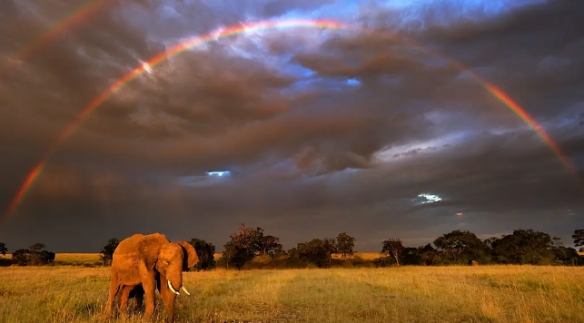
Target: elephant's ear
191,258
149,248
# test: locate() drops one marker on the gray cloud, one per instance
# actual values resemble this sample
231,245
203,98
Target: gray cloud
303,150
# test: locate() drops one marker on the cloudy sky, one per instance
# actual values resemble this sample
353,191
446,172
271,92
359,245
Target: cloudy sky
305,132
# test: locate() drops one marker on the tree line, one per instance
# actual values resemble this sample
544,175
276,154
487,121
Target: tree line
252,248
35,255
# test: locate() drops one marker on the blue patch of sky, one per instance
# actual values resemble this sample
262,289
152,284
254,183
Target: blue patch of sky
343,10
210,178
353,82
224,173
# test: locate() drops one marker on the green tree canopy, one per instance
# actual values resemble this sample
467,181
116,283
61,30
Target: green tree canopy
393,247
247,243
107,252
206,253
462,246
578,237
525,247
345,244
34,256
317,251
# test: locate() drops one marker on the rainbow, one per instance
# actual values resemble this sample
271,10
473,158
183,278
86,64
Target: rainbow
263,25
74,17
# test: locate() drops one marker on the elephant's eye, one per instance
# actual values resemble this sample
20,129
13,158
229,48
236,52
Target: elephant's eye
167,262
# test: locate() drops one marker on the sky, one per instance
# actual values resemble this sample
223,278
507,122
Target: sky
304,132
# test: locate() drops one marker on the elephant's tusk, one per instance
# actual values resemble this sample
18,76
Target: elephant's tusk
171,288
185,290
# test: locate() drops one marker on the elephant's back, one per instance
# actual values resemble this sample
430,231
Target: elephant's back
128,245
134,243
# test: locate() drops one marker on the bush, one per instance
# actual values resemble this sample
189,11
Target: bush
35,257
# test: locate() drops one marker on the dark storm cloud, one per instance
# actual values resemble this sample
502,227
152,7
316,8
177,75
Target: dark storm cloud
533,53
303,151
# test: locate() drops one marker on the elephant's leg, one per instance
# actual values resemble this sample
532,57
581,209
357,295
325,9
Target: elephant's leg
124,298
149,287
139,301
114,288
168,297
138,293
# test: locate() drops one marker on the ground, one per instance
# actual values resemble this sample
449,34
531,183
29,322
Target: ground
405,294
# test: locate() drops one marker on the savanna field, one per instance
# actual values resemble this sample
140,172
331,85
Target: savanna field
494,293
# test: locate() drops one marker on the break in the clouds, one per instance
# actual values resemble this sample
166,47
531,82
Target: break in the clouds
303,132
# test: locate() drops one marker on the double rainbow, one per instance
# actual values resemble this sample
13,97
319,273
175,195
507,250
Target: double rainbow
265,25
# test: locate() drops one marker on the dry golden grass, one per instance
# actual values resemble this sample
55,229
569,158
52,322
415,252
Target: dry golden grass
77,257
362,255
407,294
69,257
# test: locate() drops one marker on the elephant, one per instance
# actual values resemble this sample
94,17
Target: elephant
143,263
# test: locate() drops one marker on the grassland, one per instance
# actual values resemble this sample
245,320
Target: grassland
67,259
406,294
93,258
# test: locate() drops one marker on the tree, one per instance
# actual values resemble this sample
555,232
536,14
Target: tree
37,247
34,256
345,244
489,242
578,237
243,246
566,256
248,238
107,253
235,255
462,246
393,247
316,251
428,255
525,247
330,245
270,245
3,249
21,257
205,252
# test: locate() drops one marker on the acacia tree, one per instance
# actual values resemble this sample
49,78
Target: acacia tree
578,237
107,252
3,249
393,247
345,244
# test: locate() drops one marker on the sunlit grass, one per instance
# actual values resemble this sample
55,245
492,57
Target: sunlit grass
77,257
71,258
406,294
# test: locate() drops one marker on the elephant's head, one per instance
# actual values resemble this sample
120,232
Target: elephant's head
169,259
